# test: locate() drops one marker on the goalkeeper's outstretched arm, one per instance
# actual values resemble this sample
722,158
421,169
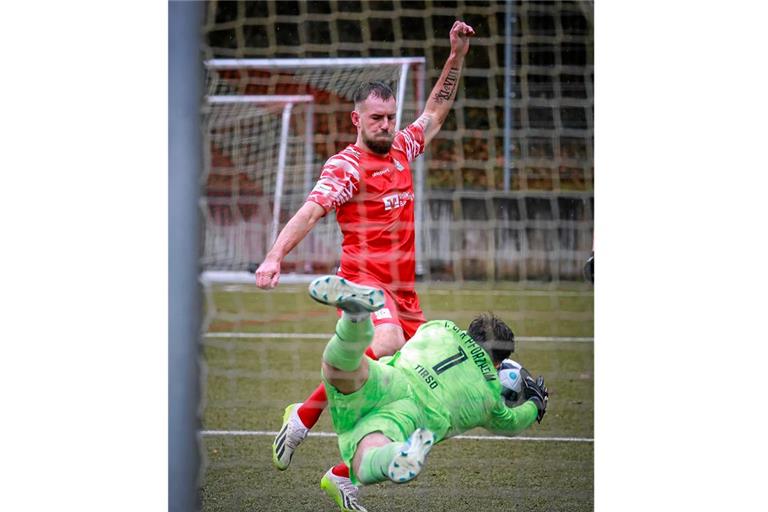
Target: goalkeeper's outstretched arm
268,273
511,420
441,98
508,421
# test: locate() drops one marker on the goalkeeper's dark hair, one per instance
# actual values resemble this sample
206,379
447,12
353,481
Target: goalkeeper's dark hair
490,332
378,89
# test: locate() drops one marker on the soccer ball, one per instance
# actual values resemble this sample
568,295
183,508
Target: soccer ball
511,382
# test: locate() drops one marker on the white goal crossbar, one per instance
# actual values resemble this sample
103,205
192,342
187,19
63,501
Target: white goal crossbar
311,63
287,64
302,98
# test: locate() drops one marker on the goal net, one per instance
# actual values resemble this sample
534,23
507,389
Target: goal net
257,165
517,252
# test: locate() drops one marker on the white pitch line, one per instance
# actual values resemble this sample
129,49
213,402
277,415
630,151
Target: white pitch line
238,288
331,434
512,293
321,336
233,282
266,335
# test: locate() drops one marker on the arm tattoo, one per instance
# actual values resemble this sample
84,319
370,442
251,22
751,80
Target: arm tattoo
448,87
423,121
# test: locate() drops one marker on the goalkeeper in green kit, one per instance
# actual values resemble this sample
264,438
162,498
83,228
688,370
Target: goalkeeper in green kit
389,413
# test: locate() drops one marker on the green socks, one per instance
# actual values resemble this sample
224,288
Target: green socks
345,350
375,463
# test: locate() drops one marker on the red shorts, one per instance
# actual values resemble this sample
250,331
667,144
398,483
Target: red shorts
401,308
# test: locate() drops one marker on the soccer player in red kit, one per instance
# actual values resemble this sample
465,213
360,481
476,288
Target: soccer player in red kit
370,186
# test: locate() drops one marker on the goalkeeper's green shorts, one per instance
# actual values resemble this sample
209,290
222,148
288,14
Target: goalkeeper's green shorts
384,404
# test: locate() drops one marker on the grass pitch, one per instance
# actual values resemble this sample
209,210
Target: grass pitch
252,374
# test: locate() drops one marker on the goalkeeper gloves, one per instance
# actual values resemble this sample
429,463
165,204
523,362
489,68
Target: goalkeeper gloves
536,392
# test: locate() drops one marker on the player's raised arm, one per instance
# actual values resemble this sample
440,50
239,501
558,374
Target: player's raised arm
441,98
268,273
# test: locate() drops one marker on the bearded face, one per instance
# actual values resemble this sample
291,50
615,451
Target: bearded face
381,142
375,121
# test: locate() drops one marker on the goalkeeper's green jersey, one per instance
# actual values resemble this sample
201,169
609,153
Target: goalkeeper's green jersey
455,382
441,379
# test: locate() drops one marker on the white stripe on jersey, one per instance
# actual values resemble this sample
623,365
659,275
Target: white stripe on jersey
349,154
411,146
351,168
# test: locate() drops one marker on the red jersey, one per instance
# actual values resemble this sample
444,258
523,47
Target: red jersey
373,197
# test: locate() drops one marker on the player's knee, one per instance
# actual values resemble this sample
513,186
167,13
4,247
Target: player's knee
345,382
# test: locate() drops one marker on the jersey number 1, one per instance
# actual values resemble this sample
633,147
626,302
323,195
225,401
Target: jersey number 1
450,362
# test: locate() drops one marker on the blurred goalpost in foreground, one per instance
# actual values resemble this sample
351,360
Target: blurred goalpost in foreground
262,121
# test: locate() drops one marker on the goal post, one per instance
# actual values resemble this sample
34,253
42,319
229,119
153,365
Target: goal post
287,103
291,114
256,165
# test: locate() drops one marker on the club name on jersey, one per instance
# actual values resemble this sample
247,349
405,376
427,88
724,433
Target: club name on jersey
397,200
477,352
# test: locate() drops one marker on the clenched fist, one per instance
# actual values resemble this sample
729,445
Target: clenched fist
268,274
460,34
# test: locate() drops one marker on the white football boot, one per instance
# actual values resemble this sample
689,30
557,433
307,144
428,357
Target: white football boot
348,296
407,464
289,438
341,490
